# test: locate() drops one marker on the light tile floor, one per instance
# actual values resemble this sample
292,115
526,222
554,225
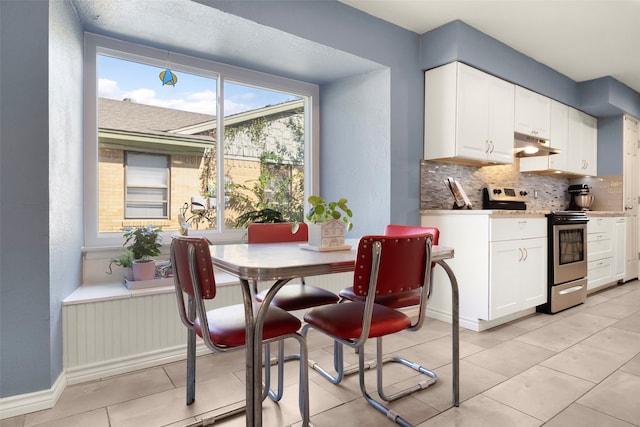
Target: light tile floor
580,368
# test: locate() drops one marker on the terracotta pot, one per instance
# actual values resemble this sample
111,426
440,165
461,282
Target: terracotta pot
144,270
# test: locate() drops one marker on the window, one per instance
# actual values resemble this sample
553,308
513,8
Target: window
146,186
207,149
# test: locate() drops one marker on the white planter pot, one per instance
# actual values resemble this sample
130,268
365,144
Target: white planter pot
327,234
128,273
144,269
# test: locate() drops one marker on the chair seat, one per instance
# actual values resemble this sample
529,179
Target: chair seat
295,296
345,320
227,325
397,300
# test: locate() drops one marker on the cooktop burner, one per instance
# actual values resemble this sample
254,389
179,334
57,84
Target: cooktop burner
508,198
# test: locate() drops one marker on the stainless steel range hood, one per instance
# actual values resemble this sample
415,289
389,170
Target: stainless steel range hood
530,146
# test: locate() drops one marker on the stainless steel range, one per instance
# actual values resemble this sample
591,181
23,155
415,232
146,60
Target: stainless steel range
509,198
567,265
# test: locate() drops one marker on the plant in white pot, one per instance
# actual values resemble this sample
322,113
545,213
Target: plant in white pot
328,222
143,243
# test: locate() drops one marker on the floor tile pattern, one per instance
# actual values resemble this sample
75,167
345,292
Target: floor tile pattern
580,367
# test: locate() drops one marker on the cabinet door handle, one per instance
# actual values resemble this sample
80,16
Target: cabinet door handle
526,254
521,254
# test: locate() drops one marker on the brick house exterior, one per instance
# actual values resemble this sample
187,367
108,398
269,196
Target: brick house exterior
126,126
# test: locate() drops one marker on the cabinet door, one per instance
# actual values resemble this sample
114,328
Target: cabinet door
472,137
631,190
532,113
590,145
504,287
583,144
533,273
501,112
619,246
559,135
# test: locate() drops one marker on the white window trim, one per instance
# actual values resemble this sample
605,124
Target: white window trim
95,44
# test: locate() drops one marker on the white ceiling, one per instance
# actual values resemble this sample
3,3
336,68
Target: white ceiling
582,39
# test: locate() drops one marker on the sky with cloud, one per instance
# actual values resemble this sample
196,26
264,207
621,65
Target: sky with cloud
120,79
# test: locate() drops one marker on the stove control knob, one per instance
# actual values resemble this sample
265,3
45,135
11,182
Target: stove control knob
497,191
523,193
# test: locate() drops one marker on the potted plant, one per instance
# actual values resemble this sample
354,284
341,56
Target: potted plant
328,222
143,243
124,260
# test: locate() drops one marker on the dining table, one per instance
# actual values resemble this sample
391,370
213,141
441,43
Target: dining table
277,264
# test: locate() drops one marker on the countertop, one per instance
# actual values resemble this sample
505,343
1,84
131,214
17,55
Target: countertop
498,213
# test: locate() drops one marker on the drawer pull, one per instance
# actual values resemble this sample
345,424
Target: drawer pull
571,290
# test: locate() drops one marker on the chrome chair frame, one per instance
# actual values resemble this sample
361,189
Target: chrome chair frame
358,343
195,309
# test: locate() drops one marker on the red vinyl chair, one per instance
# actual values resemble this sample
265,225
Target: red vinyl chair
397,300
403,299
292,296
385,265
223,329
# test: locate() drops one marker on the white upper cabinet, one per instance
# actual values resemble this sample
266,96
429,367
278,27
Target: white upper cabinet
558,137
469,116
583,144
532,113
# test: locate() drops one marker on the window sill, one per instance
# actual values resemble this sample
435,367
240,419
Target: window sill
89,293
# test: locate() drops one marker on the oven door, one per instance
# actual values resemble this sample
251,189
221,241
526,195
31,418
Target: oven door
569,252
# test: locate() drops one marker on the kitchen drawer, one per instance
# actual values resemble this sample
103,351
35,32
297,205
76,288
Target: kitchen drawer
599,273
599,245
600,225
517,228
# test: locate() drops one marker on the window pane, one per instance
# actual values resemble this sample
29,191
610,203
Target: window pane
153,140
142,194
263,154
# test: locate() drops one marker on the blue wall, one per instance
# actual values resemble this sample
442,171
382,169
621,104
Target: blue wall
371,135
458,41
40,188
341,27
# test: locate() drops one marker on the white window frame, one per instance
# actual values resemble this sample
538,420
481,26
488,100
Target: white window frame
96,44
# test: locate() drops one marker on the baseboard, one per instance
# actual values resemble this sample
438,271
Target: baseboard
109,368
13,406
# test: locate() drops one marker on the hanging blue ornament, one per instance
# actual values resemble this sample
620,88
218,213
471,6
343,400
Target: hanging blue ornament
168,77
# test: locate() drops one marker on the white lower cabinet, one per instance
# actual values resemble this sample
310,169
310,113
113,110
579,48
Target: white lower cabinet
606,243
518,271
500,265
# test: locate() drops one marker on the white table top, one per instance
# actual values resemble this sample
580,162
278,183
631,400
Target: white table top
273,261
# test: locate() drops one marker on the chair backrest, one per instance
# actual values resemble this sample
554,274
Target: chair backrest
402,265
191,260
408,230
277,232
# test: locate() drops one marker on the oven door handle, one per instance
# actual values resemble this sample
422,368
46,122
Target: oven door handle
571,290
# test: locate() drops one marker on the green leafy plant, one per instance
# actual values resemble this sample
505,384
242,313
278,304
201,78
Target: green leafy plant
143,242
322,211
125,259
263,215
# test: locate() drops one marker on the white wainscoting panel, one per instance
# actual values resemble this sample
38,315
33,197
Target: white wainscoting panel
118,335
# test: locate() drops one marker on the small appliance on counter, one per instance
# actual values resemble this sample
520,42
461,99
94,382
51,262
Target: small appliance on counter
505,198
581,199
459,196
